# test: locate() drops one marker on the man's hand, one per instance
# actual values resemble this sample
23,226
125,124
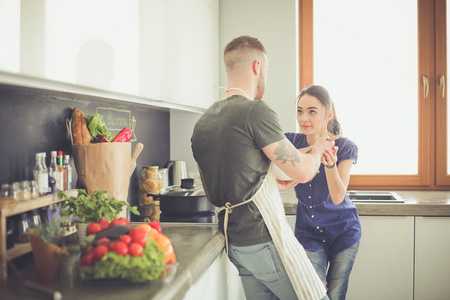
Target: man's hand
286,185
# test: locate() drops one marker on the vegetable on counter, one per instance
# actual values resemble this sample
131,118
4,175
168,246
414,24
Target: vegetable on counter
124,135
92,208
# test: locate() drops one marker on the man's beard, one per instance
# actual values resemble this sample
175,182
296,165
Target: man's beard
261,87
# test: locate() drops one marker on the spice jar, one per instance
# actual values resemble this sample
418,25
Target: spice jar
25,191
22,229
5,192
34,190
15,191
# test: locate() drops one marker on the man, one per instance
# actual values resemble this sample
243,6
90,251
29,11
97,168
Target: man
234,143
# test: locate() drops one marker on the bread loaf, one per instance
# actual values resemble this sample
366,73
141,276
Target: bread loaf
80,132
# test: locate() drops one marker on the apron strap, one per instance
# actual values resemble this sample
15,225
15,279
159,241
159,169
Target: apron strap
228,210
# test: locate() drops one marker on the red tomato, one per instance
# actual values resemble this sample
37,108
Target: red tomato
138,236
121,248
87,260
127,222
125,239
155,225
90,249
103,240
135,249
93,228
117,222
103,223
99,252
112,246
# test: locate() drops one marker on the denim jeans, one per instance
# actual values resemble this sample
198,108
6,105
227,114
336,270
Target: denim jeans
339,268
262,272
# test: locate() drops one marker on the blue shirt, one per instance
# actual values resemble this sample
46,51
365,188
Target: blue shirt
319,221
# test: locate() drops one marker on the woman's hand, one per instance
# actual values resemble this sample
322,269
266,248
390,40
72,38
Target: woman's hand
286,185
329,158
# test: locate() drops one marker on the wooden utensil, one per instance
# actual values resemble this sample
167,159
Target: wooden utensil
137,150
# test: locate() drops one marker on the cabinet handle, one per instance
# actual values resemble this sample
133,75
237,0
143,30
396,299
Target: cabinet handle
425,86
442,85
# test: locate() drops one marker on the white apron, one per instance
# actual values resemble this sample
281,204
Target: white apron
304,278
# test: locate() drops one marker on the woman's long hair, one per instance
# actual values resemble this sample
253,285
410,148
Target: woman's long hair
324,97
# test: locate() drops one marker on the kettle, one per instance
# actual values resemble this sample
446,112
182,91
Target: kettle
177,171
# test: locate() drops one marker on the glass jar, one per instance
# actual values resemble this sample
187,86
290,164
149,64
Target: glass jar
22,229
34,190
5,192
15,191
150,181
25,191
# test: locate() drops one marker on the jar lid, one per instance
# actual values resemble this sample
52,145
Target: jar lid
186,189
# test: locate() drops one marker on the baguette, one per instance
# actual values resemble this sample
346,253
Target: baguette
80,132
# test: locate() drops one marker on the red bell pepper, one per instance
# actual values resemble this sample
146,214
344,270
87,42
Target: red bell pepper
124,135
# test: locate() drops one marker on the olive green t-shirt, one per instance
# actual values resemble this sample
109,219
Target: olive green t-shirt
226,143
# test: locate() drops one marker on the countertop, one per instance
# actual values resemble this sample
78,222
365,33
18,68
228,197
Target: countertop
196,247
417,203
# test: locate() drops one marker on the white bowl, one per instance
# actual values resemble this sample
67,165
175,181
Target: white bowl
280,175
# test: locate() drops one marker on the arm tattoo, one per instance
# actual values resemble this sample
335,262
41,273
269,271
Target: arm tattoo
286,152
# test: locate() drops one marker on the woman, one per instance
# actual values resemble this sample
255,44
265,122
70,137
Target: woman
327,223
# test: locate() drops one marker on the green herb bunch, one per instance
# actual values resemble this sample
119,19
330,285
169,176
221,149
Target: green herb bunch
90,209
50,230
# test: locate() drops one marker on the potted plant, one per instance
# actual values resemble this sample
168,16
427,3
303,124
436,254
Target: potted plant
47,244
91,208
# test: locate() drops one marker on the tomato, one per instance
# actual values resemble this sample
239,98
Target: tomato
103,240
99,252
152,233
144,227
90,249
93,228
125,239
87,260
117,222
155,225
135,249
165,244
138,236
121,248
127,222
112,246
103,223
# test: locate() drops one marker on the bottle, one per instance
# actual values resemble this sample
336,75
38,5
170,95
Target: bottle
68,170
61,172
35,218
53,170
37,171
22,229
45,173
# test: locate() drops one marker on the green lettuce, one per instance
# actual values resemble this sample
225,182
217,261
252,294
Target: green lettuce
149,266
96,126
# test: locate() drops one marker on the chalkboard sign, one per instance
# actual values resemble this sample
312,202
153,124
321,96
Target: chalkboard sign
34,120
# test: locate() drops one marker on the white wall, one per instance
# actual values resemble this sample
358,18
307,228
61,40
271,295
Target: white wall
274,24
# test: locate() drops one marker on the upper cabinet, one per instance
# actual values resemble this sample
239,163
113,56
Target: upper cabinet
158,49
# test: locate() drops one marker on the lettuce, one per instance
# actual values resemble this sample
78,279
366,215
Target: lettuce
96,126
149,266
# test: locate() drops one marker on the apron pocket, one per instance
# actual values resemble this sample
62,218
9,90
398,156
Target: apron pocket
260,260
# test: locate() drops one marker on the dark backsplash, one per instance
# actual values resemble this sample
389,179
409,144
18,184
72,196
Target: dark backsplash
34,120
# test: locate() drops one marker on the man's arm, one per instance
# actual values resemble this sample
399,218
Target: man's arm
298,166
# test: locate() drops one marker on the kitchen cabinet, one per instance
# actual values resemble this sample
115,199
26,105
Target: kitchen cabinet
21,207
432,264
213,283
384,265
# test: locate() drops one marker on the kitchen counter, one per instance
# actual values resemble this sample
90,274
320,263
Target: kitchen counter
417,203
196,247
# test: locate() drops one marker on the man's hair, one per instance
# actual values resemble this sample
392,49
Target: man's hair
244,42
242,48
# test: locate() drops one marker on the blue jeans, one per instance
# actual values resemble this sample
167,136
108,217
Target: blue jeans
339,268
262,272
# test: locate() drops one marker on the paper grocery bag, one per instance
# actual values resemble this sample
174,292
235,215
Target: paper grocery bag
104,166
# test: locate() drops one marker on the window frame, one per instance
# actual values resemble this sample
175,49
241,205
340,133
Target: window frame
432,123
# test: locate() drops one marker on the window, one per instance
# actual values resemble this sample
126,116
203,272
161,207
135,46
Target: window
385,78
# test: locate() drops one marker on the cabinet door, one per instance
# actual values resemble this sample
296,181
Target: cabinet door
432,263
384,265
